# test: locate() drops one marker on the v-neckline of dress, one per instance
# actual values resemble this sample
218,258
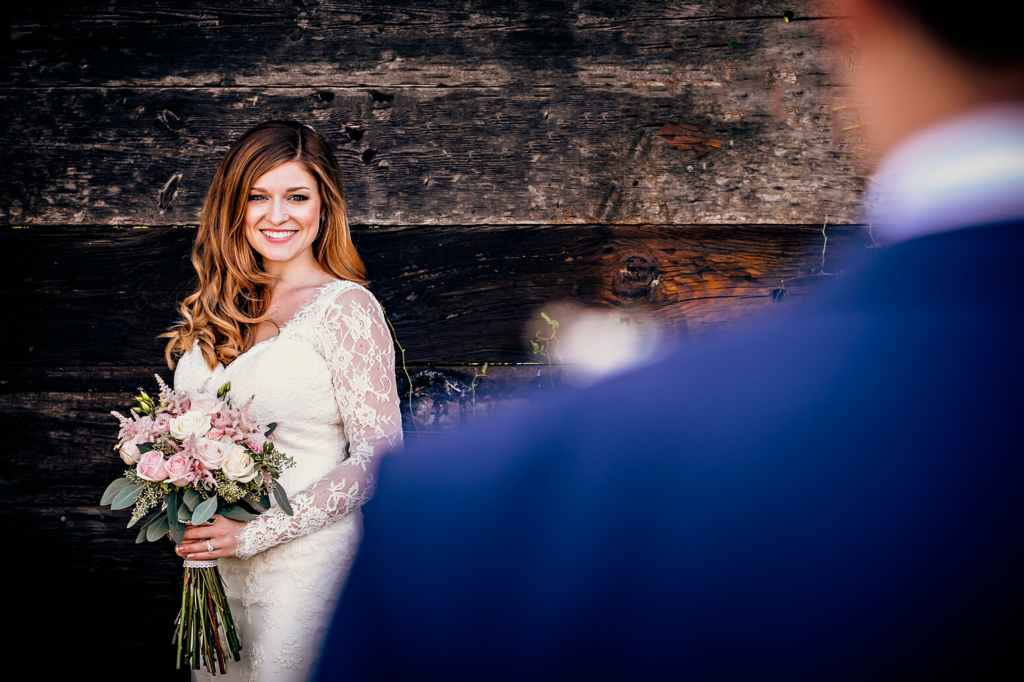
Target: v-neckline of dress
290,321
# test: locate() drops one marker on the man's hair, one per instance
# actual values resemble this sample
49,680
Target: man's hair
986,33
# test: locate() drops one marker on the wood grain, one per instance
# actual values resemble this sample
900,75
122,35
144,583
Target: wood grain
98,296
75,430
344,43
554,117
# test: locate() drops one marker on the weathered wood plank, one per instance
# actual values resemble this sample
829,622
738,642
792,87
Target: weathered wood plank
342,43
439,156
59,445
99,296
572,142
88,596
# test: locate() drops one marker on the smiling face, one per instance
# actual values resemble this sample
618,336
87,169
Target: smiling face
282,216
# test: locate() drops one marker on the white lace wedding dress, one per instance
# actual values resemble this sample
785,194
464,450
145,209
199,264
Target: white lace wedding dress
328,380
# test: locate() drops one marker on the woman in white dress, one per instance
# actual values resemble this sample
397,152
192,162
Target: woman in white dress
280,312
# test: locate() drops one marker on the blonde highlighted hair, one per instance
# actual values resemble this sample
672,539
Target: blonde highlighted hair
232,294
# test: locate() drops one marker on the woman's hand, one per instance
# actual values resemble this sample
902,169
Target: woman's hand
220,533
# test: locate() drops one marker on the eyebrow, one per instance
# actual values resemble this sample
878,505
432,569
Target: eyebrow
290,189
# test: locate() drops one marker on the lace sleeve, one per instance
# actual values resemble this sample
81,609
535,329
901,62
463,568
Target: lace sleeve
361,356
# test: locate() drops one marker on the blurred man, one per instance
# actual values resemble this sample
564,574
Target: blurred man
834,495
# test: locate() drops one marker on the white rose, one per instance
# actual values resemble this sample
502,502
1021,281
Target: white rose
130,452
239,465
211,453
192,422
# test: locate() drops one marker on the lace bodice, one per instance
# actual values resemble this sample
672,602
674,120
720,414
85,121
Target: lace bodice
328,381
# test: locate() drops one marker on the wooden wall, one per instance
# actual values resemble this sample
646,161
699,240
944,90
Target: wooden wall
498,156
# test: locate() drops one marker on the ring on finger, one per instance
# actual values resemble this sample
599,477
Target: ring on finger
209,547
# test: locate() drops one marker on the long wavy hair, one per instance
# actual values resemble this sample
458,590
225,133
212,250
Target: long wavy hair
233,290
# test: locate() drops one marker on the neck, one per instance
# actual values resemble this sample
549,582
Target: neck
301,271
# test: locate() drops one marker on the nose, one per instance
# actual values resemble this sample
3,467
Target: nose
277,214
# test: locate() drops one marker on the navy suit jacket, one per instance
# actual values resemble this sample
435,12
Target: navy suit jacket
835,494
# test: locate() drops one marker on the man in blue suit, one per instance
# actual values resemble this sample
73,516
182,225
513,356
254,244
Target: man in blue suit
832,495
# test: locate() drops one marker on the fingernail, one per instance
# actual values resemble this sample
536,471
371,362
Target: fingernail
180,548
189,556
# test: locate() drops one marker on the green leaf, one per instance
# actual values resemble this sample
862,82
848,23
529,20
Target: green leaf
158,529
236,513
141,537
112,489
223,389
146,447
177,527
126,496
192,498
263,500
734,44
282,499
734,131
149,521
204,511
270,429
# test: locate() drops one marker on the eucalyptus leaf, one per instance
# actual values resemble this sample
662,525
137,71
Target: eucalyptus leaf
158,529
141,537
126,496
177,527
112,489
184,514
192,498
146,447
282,499
149,521
236,513
270,429
204,511
263,500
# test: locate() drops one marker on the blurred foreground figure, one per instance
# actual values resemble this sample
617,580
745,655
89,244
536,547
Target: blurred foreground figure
833,495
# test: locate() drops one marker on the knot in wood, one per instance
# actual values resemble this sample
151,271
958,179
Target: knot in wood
687,136
637,275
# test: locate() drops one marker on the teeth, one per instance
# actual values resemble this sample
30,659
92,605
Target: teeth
279,235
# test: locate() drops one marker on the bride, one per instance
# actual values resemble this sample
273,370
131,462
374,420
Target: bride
280,312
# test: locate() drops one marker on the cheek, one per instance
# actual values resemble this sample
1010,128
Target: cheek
251,233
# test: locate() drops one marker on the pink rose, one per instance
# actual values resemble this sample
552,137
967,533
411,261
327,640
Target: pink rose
130,451
210,453
215,434
177,469
161,423
205,403
152,466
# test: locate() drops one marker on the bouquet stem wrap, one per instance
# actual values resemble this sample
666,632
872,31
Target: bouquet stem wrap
206,633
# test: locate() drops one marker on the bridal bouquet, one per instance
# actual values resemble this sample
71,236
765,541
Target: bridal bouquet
191,456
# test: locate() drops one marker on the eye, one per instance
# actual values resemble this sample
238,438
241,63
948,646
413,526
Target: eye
303,197
255,196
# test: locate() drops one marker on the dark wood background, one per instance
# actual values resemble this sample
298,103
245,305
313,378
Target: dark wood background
499,156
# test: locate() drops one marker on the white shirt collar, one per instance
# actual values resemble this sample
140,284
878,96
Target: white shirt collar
961,172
